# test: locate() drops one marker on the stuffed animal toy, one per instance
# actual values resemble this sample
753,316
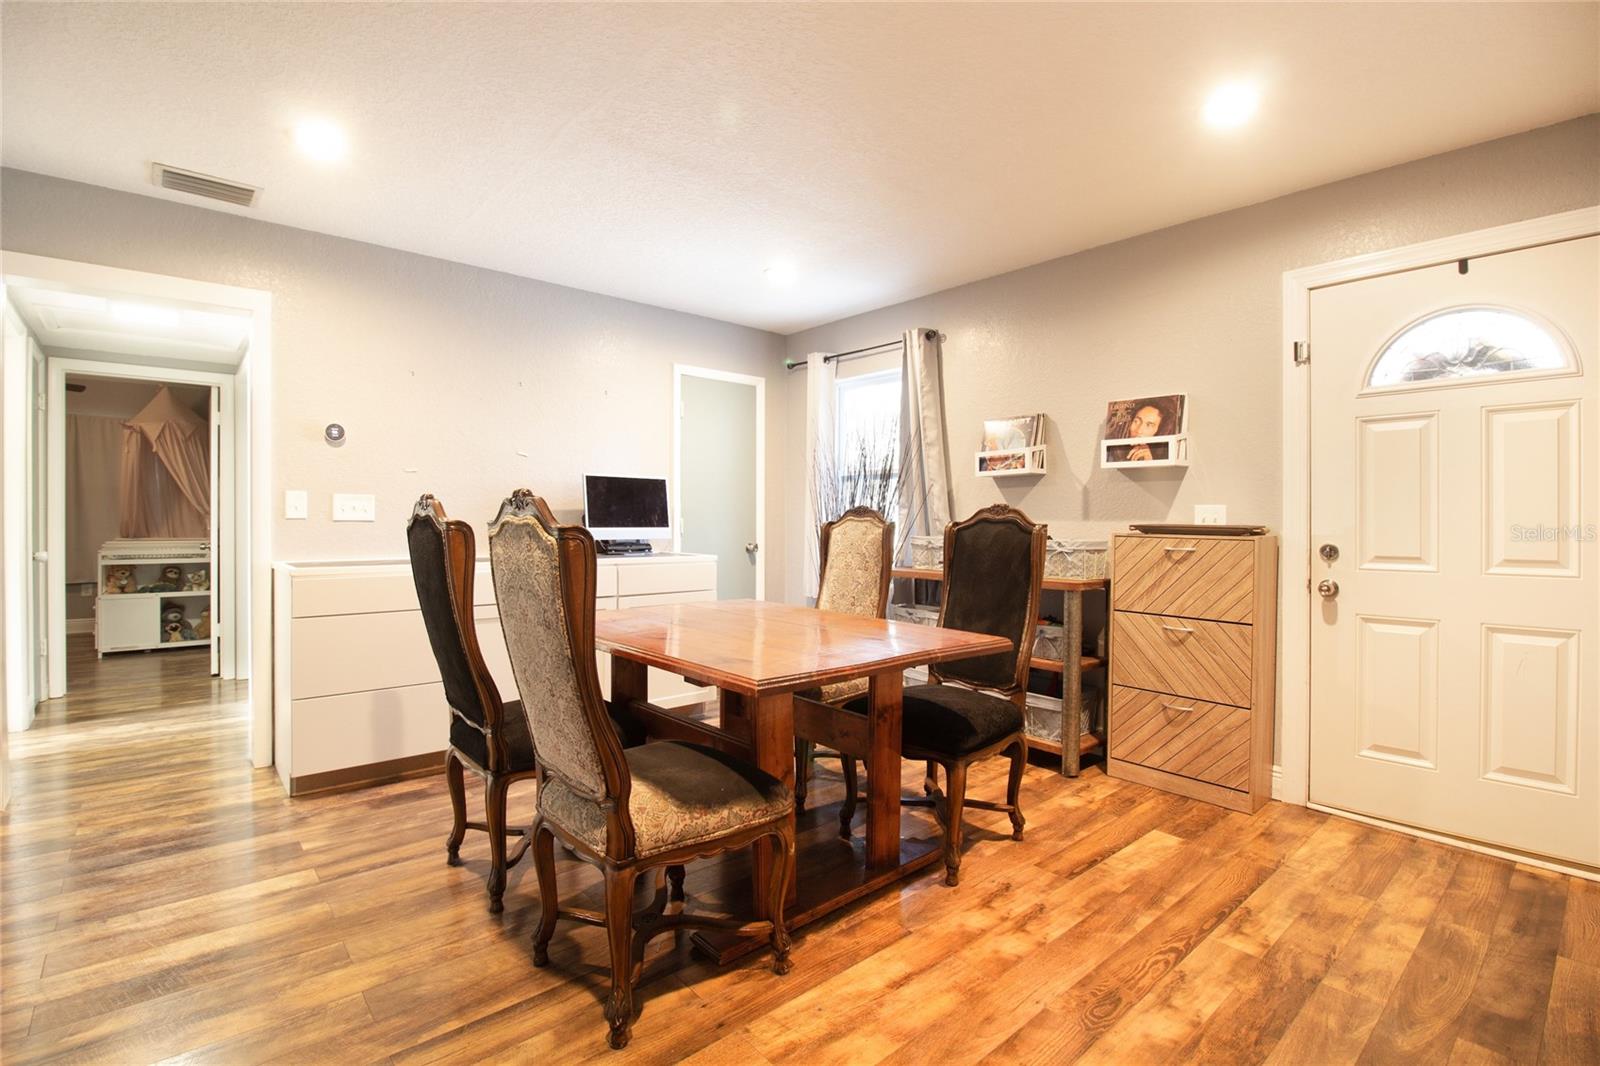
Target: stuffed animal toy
172,575
119,579
173,633
202,628
170,613
199,581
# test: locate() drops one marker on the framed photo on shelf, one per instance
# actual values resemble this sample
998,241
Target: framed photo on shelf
1147,431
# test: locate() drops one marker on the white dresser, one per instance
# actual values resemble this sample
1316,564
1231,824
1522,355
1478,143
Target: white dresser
356,691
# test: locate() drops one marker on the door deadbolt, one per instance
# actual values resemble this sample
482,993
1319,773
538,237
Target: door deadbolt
1329,552
752,547
1327,588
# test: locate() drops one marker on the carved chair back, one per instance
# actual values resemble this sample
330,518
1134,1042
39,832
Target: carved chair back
993,574
443,561
544,580
857,553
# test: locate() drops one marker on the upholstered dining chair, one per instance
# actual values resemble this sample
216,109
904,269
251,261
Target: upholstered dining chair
857,553
993,573
627,811
487,736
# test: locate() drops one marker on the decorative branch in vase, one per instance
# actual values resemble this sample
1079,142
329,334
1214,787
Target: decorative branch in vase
868,472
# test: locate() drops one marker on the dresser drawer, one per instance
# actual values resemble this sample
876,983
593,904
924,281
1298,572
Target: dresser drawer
1195,577
1192,738
1182,656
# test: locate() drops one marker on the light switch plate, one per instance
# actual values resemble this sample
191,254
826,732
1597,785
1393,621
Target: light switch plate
295,503
354,507
1210,514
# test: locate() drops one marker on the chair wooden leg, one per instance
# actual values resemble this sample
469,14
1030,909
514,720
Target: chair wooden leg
675,893
458,807
852,788
544,866
804,752
1019,762
619,936
494,811
777,889
955,803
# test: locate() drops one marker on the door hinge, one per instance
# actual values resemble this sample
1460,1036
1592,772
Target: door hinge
1302,353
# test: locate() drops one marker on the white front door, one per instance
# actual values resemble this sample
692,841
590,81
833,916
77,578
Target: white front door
1455,473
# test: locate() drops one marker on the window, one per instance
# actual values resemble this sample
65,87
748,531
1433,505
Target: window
1465,342
866,443
868,413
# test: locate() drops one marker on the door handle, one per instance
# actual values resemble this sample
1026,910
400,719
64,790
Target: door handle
752,547
1327,588
1176,629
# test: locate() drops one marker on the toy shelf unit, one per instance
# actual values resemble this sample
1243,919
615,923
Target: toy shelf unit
153,595
1010,462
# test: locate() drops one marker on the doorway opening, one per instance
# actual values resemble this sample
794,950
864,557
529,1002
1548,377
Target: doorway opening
143,470
139,523
719,474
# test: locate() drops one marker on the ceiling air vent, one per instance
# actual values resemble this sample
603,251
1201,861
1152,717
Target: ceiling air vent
179,180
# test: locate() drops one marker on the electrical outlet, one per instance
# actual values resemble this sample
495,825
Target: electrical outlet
354,507
1210,514
295,503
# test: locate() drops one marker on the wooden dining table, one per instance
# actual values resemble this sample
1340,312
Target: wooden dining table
758,655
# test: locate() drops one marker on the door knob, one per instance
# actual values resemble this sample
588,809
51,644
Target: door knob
1328,588
1329,553
752,547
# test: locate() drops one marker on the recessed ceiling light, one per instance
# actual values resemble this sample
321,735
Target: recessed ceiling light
781,275
321,140
1232,105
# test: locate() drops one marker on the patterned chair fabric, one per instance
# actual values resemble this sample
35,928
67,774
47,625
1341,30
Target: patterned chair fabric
682,794
853,582
528,583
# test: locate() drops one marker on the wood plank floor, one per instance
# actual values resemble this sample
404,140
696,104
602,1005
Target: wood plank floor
162,901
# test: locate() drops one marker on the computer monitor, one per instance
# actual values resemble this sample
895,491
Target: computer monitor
626,508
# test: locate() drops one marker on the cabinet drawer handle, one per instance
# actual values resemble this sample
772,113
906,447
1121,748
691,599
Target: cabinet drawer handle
1176,629
1171,548
1174,707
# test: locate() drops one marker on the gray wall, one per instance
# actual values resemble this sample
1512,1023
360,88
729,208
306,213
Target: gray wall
442,373
1194,308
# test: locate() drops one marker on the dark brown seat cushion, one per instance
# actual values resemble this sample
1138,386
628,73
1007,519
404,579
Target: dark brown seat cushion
951,720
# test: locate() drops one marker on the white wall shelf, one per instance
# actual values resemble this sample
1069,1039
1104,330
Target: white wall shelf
1010,462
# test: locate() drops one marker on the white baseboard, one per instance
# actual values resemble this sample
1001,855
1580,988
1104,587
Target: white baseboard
1277,781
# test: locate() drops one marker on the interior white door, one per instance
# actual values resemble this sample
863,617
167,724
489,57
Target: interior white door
1454,476
719,483
38,520
217,459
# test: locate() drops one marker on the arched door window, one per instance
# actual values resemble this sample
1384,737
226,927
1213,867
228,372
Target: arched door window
1468,342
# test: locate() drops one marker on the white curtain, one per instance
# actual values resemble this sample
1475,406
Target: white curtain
925,480
820,398
94,491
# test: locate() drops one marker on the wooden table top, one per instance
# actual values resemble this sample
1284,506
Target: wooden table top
757,648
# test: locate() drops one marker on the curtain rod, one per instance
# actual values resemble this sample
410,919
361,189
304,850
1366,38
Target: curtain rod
798,364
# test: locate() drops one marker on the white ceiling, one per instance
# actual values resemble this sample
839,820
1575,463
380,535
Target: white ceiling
65,321
670,153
